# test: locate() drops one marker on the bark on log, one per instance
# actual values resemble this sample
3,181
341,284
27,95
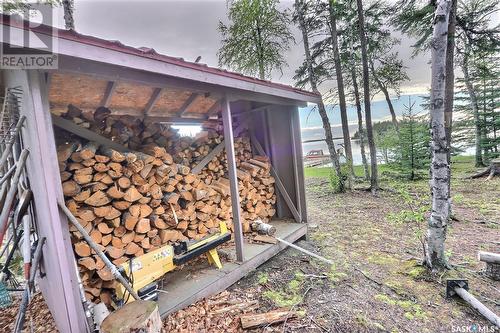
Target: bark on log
138,316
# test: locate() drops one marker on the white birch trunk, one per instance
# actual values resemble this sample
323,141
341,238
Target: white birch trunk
436,232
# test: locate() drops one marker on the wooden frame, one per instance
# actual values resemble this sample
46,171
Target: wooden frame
58,259
113,66
233,178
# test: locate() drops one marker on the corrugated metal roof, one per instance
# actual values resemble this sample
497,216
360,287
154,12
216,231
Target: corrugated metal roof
150,53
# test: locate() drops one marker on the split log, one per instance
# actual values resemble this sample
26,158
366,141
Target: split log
253,320
138,316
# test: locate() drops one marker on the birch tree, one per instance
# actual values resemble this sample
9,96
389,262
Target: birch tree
257,38
436,232
304,26
366,91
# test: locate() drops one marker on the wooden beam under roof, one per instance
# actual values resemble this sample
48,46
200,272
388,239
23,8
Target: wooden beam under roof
214,109
108,93
187,104
180,120
152,100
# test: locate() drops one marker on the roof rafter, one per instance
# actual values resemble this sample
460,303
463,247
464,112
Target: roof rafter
187,104
214,109
108,93
152,100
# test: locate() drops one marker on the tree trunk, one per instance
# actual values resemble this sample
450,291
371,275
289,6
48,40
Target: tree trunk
69,22
474,105
450,86
360,122
366,91
340,88
321,106
387,98
436,232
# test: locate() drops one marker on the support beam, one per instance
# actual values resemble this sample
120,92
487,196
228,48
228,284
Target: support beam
215,151
233,180
271,150
86,134
108,93
152,100
196,170
278,182
214,109
187,104
179,120
258,109
297,161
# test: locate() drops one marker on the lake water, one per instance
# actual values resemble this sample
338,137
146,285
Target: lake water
312,126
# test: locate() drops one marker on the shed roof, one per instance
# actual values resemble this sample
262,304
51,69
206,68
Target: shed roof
87,47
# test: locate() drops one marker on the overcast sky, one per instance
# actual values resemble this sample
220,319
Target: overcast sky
188,28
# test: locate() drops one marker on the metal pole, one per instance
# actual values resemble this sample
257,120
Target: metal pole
4,216
304,251
29,283
116,273
487,313
233,180
9,145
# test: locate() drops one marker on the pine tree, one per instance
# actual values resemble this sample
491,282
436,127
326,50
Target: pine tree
366,92
256,40
309,73
413,153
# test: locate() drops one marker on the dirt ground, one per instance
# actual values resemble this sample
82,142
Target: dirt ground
377,283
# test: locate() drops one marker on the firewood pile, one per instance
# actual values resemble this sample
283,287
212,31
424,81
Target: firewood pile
133,203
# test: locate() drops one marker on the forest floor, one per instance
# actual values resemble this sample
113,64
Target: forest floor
377,282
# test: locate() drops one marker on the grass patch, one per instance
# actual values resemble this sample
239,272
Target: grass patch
411,310
262,278
288,296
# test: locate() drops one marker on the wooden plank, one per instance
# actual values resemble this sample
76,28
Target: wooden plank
271,153
43,172
86,134
297,162
259,109
187,104
152,101
214,152
489,257
214,109
196,170
278,182
233,179
179,120
182,292
108,93
156,79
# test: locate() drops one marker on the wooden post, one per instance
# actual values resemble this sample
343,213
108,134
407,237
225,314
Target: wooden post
233,180
271,153
297,160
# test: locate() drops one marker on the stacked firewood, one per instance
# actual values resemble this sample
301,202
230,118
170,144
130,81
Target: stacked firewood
133,203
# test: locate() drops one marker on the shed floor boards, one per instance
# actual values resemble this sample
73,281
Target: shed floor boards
194,282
